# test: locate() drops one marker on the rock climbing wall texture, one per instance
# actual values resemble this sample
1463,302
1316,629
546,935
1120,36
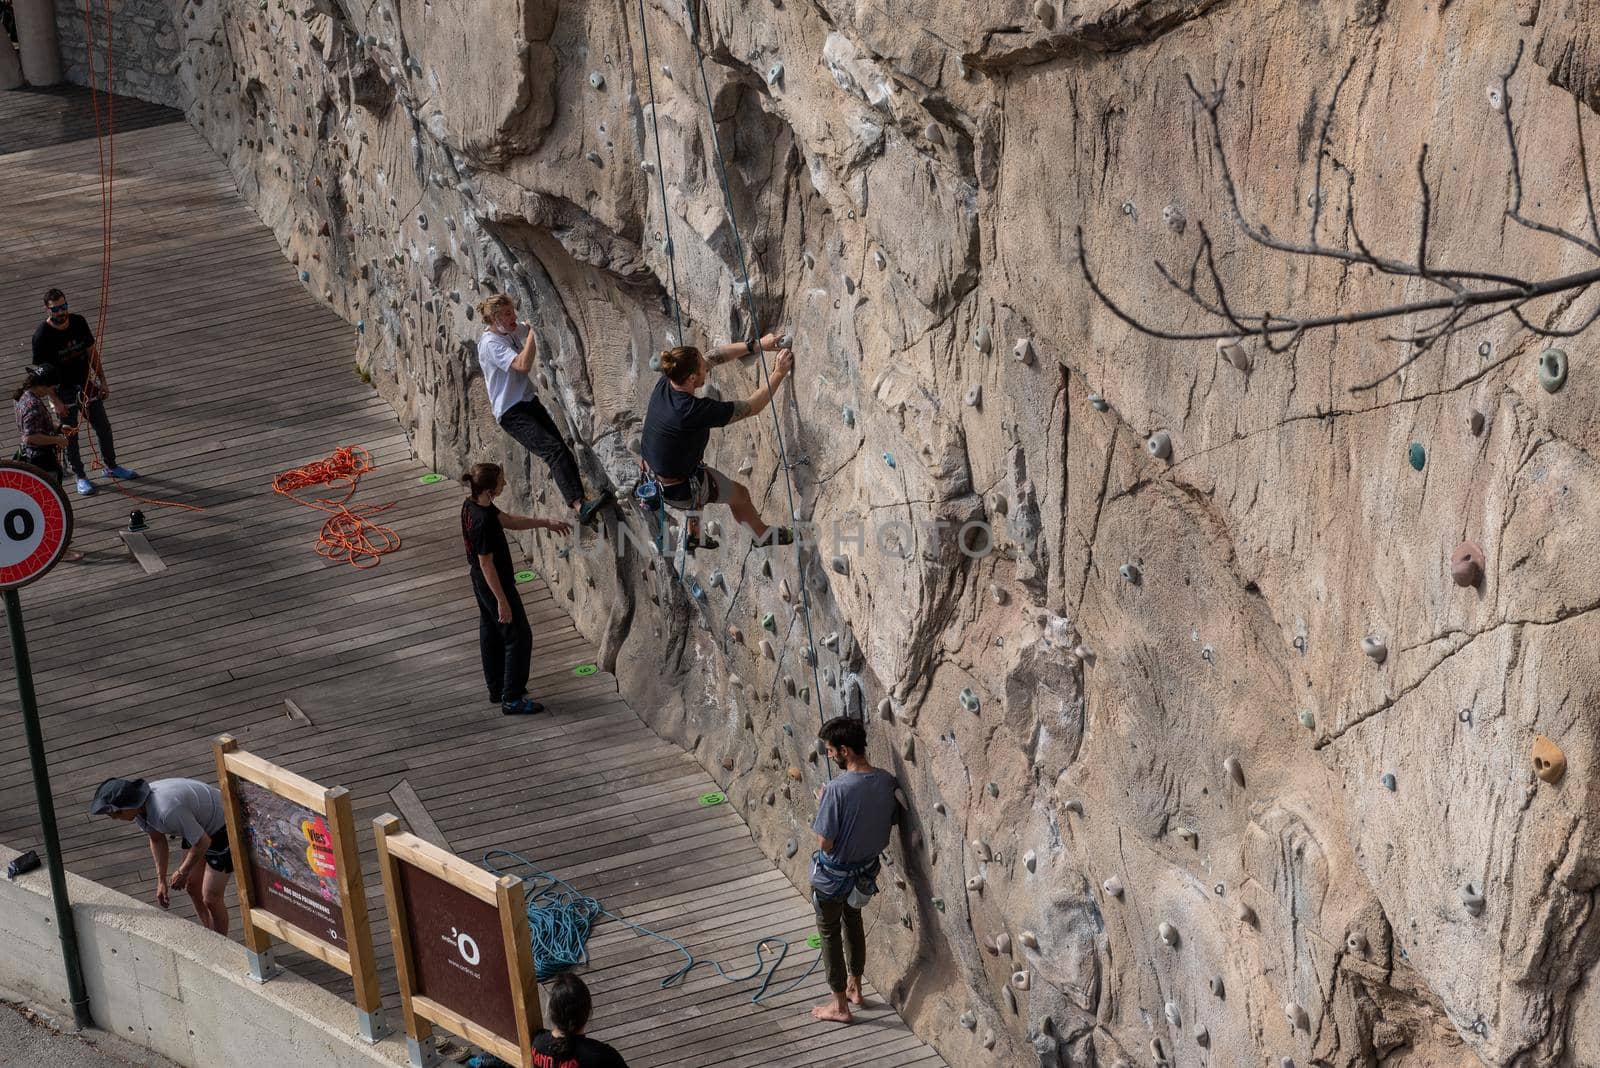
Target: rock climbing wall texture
1258,731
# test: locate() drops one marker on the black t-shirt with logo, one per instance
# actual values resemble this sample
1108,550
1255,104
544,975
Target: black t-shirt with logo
483,535
677,428
66,349
582,1053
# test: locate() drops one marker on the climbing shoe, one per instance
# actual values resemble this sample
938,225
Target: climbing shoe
699,541
776,536
522,706
590,510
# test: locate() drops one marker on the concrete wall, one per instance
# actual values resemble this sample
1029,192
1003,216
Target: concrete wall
167,984
144,47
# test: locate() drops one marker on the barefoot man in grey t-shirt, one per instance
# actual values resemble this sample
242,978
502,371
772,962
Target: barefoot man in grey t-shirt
854,815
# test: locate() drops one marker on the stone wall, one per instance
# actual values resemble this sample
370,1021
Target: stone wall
144,49
1163,808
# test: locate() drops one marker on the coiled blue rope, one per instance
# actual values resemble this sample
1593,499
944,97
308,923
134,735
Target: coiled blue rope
560,918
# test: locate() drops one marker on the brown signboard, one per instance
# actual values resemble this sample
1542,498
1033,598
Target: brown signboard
462,954
293,871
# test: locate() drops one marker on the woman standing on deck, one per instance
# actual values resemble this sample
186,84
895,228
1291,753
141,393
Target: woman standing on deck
39,428
504,637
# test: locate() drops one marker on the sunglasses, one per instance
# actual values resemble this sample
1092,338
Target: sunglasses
56,309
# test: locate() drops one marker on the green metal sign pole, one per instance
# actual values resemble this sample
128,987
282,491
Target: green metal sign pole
65,928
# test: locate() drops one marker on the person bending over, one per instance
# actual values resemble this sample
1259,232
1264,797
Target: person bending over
193,811
506,360
854,815
677,429
505,640
65,342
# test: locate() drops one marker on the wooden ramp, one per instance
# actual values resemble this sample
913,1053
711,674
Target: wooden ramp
224,372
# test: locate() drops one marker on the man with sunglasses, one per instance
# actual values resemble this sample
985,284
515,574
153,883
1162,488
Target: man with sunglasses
65,342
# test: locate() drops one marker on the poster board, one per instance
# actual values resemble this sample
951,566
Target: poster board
461,947
298,872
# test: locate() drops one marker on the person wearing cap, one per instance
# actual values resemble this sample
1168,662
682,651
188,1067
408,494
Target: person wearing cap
39,429
65,342
191,810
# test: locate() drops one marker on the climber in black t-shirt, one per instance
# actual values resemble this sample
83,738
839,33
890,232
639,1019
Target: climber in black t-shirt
505,639
677,429
564,1045
65,342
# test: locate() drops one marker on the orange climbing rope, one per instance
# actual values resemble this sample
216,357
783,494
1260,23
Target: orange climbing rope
347,534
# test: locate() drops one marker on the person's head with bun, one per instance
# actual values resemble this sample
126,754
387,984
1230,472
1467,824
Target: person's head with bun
484,478
684,367
570,1006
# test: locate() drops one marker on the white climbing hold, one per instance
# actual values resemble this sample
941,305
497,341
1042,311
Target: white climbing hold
998,592
775,74
1356,943
981,850
1472,900
1234,769
1375,648
886,709
1188,837
1174,1017
974,396
982,341
1497,100
596,79
1084,654
969,1020
1169,934
1073,805
1097,402
1029,939
1023,351
1297,1016
975,884
969,700
1235,352
938,806
1112,887
1030,860
746,465
1216,985
1244,913
1002,944
1159,445
1020,979
879,260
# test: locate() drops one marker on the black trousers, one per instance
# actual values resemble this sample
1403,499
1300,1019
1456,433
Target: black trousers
71,397
507,648
533,428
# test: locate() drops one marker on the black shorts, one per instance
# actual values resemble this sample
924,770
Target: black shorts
219,856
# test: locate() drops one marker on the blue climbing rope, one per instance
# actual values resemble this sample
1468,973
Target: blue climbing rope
561,917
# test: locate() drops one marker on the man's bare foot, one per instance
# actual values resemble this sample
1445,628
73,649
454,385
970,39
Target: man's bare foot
832,1011
852,992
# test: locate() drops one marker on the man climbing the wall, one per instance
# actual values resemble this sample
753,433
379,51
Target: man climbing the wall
65,342
854,815
506,361
192,810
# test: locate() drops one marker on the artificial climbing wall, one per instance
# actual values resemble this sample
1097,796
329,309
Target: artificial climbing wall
1209,758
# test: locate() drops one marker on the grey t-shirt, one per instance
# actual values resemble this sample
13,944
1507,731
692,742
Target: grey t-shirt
183,807
856,814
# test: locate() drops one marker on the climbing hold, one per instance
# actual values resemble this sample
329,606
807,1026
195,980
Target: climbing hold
593,157
1159,445
1416,455
766,568
1497,100
1097,402
1472,900
1475,423
596,79
1466,564
981,850
988,1038
1234,351
1131,572
718,580
1173,1016
1084,655
1073,805
1375,648
1549,762
791,848
1307,720
767,650
1356,943
1175,219
808,656
775,74
848,415
1158,1051
1112,887
969,1020
1244,913
879,260
1127,208
584,670
1285,1062
888,458
713,798
1388,781
1234,769
1188,837
769,622
938,806
305,276
1552,369
974,396
1297,1016
909,750
771,798
938,903
1169,934
1020,979
1023,351
1029,939
1030,860
1216,986
1002,944
840,564
975,884
794,773
808,259
1202,1037
784,593
746,465
1045,12
994,789
968,699
982,341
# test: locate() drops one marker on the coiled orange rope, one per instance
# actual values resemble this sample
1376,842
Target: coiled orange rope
347,534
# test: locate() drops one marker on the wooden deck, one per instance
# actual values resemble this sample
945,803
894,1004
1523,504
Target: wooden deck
225,371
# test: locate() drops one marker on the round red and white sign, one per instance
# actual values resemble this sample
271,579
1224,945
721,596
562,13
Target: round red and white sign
35,524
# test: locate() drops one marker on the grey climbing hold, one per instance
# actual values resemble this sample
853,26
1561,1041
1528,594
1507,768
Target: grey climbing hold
1029,939
1131,572
840,564
1285,1062
791,849
1020,979
974,396
1159,445
969,1020
1127,208
886,709
1112,887
994,789
1496,98
1188,837
848,414
1297,1016
879,260
888,458
968,699
909,750
988,1038
1234,351
809,657
718,580
1174,1017
1202,1037
938,806
1084,655
1552,369
1023,351
981,850
1169,934
975,884
1097,402
1244,913
1045,12
1356,943
808,259
648,166
938,903
593,157
1030,860
982,341
1472,900
1307,720
1002,944
1416,455
997,592
1475,423
933,134
1073,805
1388,781
1175,219
1217,986
767,650
775,74
596,79
1234,769
1375,648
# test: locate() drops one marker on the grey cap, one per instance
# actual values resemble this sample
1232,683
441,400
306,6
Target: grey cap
119,795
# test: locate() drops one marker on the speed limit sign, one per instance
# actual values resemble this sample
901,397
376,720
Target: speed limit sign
35,524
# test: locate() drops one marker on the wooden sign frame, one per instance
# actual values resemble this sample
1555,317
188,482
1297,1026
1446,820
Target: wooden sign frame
397,848
260,925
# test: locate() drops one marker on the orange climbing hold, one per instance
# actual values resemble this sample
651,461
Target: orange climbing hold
347,534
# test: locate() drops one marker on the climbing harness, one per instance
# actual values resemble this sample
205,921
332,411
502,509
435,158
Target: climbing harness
347,534
560,918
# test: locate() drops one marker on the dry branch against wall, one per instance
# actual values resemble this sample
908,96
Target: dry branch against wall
1468,296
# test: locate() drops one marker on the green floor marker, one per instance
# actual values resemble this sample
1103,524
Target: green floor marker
585,669
525,576
431,478
814,940
713,798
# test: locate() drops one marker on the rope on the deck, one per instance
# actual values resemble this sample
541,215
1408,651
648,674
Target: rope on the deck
560,918
347,534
